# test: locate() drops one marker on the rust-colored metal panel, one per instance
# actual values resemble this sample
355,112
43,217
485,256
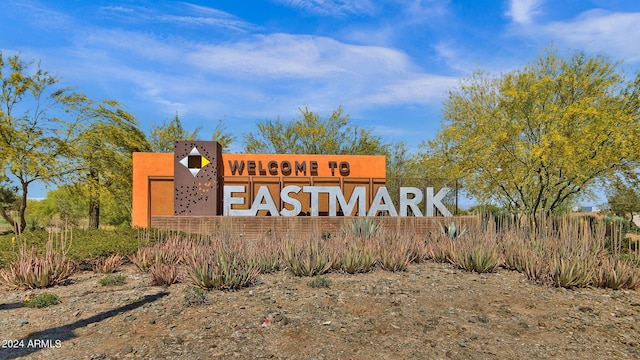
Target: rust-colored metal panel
197,178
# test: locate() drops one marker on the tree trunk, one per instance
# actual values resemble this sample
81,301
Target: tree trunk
21,224
94,199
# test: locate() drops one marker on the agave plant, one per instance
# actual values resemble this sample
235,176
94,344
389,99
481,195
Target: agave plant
452,231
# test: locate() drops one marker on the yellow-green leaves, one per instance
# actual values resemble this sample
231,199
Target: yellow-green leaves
310,134
535,138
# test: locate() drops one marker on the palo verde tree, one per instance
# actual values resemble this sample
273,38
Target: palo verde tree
536,138
103,149
333,135
37,131
310,134
163,136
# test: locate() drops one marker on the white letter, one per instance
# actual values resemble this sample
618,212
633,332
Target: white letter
297,205
359,194
270,205
412,203
314,190
230,200
436,201
382,194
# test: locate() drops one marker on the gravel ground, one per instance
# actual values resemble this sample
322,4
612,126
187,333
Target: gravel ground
430,311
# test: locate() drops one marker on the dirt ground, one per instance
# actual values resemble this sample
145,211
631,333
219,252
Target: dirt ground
431,311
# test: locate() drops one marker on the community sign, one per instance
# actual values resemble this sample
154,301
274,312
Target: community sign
198,180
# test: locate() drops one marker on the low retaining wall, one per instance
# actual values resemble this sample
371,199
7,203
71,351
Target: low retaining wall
253,227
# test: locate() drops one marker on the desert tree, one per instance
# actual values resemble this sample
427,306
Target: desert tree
37,130
162,136
536,138
311,134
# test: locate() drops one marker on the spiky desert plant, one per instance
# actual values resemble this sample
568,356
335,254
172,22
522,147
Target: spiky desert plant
394,252
452,231
221,269
307,257
362,227
359,256
163,274
30,270
144,257
110,264
616,274
441,250
176,249
570,272
267,255
477,256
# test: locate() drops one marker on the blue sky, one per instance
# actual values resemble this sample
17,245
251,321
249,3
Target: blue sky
388,63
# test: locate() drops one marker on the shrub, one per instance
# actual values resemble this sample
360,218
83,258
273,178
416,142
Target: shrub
112,280
267,255
163,274
33,271
441,250
221,269
362,227
42,300
617,274
143,258
195,296
319,282
452,231
108,265
359,257
569,272
477,256
395,253
307,258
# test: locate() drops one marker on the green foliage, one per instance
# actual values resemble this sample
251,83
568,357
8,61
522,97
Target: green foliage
36,145
309,134
164,274
162,136
319,282
103,149
108,264
41,300
477,257
222,269
362,227
33,269
452,231
623,199
536,138
222,136
307,258
194,296
112,280
616,226
54,135
87,244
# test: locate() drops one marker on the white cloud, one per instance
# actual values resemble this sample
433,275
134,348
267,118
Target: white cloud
286,56
613,33
336,8
523,11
